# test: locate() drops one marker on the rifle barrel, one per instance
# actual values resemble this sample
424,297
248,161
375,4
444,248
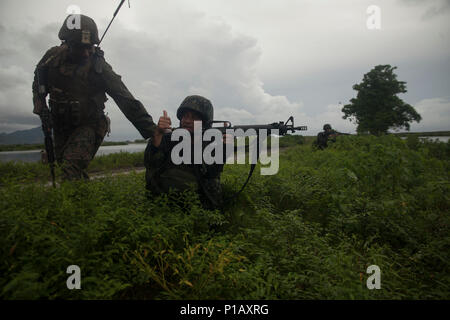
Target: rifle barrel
255,126
48,141
282,128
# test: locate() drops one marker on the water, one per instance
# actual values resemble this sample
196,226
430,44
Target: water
132,148
441,139
35,155
438,138
25,156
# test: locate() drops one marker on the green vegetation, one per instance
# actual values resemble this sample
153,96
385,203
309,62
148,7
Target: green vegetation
21,147
284,141
309,232
291,140
37,172
24,147
425,134
21,172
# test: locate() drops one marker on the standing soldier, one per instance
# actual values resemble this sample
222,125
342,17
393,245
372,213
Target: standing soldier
76,77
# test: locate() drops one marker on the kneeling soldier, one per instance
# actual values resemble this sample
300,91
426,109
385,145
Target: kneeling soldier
162,174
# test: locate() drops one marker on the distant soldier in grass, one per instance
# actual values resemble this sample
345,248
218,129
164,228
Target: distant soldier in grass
162,174
76,77
328,134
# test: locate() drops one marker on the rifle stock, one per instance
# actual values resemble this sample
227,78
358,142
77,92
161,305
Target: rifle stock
46,120
342,134
48,140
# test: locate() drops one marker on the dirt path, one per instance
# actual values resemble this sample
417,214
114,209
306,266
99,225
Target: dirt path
115,172
104,174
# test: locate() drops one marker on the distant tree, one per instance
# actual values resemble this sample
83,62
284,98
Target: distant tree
377,107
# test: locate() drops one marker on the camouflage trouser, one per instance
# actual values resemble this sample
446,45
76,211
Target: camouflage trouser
76,147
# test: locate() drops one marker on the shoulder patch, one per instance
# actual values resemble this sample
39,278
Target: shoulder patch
53,53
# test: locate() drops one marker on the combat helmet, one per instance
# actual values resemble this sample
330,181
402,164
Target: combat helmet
198,104
86,34
327,127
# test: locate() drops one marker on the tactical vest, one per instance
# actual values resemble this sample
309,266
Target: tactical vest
77,93
202,178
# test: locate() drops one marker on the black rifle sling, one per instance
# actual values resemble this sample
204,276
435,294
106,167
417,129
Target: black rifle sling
206,192
234,196
252,168
250,173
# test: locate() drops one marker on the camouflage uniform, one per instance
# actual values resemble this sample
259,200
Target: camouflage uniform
76,102
323,137
162,174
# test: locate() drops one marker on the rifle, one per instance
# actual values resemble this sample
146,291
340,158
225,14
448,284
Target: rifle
283,127
46,120
342,134
334,134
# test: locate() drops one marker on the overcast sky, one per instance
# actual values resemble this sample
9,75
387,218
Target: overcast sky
258,61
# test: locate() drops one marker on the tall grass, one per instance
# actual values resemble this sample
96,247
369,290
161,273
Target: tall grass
309,232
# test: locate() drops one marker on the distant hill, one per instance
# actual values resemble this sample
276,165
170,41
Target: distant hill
31,136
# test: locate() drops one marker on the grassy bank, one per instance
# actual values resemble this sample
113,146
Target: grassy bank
21,147
309,232
423,134
25,172
38,172
26,147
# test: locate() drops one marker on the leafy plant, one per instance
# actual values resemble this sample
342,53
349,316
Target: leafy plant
309,232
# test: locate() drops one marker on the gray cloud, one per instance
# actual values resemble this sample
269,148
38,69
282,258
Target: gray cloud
431,8
23,47
13,76
259,64
12,119
435,113
209,59
434,11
